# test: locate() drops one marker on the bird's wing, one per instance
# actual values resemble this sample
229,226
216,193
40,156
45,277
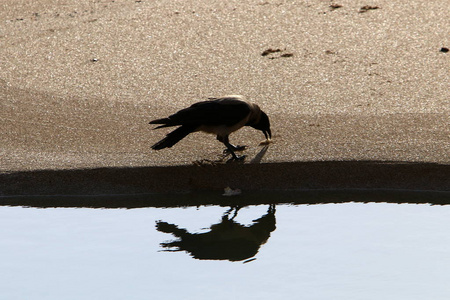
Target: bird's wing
223,111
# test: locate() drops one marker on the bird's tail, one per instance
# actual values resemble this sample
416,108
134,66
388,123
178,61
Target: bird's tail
160,121
173,137
165,121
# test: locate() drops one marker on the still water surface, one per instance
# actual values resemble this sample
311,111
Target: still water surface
328,251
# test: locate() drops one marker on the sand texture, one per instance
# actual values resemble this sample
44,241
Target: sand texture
349,86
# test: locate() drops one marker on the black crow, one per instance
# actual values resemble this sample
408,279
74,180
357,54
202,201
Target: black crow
220,116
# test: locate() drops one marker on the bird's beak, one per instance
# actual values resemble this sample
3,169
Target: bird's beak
268,134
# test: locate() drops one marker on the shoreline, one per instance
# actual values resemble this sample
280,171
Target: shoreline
331,175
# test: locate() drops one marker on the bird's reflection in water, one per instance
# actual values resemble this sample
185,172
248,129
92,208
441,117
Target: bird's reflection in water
227,240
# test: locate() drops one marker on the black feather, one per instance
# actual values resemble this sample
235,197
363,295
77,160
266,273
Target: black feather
222,111
220,116
160,121
174,137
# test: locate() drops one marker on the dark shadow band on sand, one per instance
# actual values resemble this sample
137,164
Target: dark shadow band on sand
270,183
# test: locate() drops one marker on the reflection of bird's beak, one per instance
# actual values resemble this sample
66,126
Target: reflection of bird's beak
268,134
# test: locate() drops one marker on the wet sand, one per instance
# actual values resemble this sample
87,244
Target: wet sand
358,95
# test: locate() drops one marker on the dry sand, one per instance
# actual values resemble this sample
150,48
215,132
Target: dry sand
80,80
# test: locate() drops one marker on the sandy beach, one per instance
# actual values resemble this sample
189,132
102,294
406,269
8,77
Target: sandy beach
357,93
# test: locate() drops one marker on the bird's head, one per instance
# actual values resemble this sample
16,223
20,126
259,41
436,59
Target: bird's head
263,124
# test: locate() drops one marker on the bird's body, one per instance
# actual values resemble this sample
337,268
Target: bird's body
219,116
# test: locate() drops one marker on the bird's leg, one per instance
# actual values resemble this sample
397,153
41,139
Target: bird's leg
238,147
231,148
229,145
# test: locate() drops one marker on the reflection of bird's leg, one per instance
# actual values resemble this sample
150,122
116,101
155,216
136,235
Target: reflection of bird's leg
237,208
231,148
228,212
271,208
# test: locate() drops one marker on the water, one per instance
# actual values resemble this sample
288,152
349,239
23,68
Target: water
326,251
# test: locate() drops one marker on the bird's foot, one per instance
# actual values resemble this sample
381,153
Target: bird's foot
235,148
240,148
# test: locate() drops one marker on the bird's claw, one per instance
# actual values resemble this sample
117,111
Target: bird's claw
235,148
240,148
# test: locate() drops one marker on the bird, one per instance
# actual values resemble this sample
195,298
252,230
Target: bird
220,116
